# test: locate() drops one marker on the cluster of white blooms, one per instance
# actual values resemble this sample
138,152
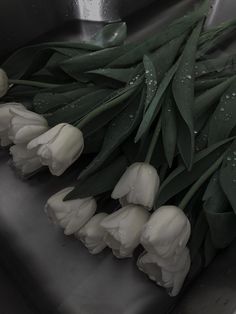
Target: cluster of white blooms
34,144
164,234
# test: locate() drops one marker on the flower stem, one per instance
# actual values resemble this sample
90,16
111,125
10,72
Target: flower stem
199,183
32,83
153,142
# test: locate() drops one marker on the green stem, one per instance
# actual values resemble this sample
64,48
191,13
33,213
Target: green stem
33,83
199,183
153,142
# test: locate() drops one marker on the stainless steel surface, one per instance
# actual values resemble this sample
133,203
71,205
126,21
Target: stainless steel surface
221,10
108,10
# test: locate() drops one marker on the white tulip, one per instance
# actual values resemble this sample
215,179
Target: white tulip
3,83
124,229
169,275
167,232
147,264
5,118
70,215
59,147
25,162
174,273
25,125
92,234
138,185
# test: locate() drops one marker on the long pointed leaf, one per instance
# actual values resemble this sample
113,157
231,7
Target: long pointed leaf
183,91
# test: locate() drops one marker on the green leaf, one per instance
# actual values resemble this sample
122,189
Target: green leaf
169,127
48,101
93,143
118,131
177,28
223,119
166,55
155,105
216,65
198,234
220,217
151,80
111,35
78,108
121,75
103,119
228,175
91,60
157,64
183,91
205,101
180,178
95,184
26,61
205,84
209,250
216,37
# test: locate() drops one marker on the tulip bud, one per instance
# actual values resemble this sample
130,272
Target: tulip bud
174,273
59,147
5,118
138,185
25,125
123,229
70,215
24,161
3,83
169,274
92,234
167,232
147,264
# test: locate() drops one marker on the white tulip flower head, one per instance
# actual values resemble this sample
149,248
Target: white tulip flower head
59,147
25,125
167,232
123,229
5,118
147,264
138,185
3,83
70,215
25,162
92,234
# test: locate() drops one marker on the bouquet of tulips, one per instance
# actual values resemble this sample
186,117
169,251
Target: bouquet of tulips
155,122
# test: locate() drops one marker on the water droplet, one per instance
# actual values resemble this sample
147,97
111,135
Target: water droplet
189,77
195,132
222,109
169,110
227,97
131,116
234,94
229,158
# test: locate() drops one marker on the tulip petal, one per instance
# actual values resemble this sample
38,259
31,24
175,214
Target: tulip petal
47,137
